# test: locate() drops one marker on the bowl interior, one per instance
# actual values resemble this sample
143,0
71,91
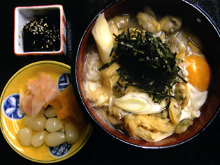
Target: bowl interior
198,23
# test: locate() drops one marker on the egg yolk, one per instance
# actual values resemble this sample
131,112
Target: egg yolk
199,72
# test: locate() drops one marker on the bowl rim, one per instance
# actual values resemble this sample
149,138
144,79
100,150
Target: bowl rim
78,91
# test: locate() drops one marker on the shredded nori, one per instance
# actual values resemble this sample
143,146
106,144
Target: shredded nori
146,63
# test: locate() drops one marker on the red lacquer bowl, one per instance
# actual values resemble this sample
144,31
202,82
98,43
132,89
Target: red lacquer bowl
199,24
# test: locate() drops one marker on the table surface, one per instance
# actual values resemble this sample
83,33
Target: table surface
101,147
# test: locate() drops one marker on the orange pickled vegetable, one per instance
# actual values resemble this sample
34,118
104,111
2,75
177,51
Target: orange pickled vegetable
67,107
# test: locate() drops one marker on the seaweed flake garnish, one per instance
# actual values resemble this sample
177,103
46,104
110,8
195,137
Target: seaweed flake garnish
146,63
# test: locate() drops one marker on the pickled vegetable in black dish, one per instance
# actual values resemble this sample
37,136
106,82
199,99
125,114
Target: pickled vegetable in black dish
42,34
